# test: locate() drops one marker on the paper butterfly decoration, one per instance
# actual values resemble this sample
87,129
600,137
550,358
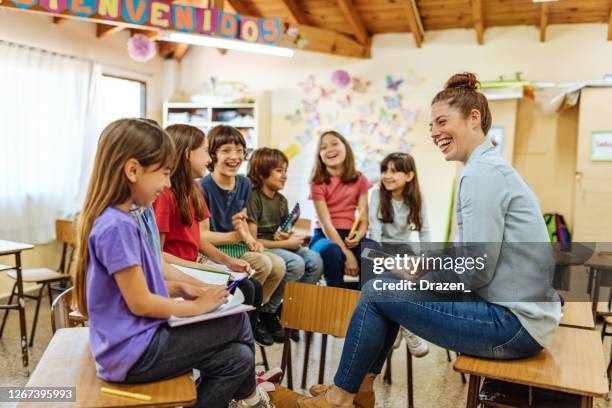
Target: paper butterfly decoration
365,110
393,102
410,115
371,170
384,137
393,85
360,85
385,116
414,79
367,127
327,92
310,106
345,129
345,102
356,146
295,117
331,117
304,138
314,121
308,84
399,131
404,145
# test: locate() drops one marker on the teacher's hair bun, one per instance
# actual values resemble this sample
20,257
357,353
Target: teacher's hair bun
465,80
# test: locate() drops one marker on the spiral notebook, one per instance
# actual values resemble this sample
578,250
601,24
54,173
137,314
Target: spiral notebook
233,306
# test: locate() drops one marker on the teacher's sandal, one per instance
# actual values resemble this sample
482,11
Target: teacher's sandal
362,399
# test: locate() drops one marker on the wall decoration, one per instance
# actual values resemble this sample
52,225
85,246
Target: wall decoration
295,117
365,110
393,102
332,117
410,115
413,79
314,121
327,92
345,129
601,146
385,117
341,78
384,137
345,102
360,85
367,127
496,136
310,106
140,48
305,138
394,85
292,151
308,84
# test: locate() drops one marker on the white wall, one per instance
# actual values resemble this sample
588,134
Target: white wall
571,53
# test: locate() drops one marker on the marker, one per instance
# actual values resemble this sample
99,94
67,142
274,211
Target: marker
141,397
356,223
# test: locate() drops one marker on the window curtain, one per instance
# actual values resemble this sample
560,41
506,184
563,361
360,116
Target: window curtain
48,136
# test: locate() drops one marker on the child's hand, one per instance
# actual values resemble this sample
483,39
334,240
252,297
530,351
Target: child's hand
353,240
281,236
238,265
254,245
210,299
294,242
351,267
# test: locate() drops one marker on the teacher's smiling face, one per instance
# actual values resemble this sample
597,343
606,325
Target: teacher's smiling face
455,135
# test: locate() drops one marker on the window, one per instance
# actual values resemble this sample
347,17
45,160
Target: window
121,98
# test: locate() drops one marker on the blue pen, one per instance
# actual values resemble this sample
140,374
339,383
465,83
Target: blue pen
233,285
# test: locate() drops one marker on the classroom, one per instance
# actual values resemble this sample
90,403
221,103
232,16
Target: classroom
306,203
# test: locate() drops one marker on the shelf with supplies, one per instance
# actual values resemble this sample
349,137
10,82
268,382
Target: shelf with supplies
251,119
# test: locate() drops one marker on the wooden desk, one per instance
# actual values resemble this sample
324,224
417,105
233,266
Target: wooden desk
573,363
15,248
577,311
598,264
67,362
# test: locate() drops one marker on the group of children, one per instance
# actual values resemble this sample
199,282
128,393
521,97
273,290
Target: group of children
150,204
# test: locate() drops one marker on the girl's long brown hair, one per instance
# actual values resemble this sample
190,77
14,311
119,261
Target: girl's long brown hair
320,174
120,141
412,193
186,139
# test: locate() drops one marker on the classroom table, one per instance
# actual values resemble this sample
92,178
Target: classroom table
599,264
15,248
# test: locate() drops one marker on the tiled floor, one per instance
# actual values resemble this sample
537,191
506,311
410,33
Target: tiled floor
436,384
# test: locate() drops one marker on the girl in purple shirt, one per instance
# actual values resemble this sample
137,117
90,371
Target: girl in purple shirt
120,288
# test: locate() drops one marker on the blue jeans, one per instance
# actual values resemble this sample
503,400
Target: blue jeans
303,265
476,328
333,257
222,349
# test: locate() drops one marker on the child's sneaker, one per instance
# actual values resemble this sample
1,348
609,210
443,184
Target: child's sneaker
274,375
416,345
264,401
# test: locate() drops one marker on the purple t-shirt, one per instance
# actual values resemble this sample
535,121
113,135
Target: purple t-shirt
117,337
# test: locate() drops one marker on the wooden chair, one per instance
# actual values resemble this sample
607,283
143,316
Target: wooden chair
577,311
573,363
314,309
67,362
66,234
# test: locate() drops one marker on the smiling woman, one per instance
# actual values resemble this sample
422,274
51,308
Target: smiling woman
494,205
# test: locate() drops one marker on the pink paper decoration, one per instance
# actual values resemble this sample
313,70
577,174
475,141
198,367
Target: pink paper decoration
341,78
140,48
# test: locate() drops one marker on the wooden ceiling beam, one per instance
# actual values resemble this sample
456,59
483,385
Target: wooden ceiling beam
414,20
296,15
104,30
354,19
543,21
241,8
478,19
610,25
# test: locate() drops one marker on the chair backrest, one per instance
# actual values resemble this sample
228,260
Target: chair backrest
65,231
60,312
303,224
318,309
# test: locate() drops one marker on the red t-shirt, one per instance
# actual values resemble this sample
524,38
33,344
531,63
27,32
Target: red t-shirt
181,240
341,199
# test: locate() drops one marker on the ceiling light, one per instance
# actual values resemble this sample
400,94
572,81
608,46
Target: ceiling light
228,44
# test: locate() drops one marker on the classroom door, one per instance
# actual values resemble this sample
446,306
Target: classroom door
593,181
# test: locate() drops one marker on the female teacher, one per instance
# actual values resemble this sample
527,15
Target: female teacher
494,205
